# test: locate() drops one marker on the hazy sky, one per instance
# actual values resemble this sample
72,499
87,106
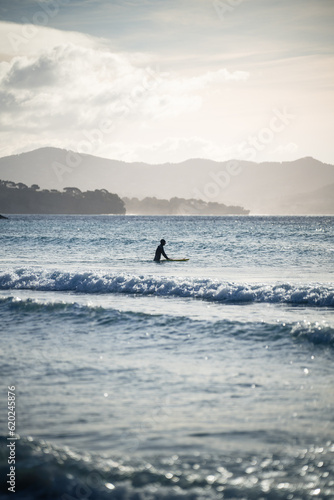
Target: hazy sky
160,80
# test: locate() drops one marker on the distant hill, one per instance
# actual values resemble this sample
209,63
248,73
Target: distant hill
304,186
316,201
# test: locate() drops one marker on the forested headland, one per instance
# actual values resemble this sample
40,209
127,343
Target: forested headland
179,206
17,198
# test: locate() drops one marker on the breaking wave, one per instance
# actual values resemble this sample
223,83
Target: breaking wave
320,295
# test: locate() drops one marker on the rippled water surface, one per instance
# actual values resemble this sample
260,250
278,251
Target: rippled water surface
211,378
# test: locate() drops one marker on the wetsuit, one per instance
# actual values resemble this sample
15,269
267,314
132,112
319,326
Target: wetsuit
160,250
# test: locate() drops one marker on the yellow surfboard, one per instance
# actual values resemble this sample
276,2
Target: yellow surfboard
176,260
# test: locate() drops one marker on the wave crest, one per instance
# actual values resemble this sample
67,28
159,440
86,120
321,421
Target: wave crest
319,295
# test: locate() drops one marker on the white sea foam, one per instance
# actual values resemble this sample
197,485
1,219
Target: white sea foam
320,295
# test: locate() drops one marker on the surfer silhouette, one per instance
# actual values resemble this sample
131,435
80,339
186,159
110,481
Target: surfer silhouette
160,251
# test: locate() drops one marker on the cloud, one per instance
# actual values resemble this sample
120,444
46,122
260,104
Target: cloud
70,87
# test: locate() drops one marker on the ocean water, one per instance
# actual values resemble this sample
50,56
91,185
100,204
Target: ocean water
206,379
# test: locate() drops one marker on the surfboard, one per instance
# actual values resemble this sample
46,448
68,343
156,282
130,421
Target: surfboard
176,260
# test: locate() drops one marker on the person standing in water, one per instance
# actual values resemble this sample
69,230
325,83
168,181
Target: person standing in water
160,251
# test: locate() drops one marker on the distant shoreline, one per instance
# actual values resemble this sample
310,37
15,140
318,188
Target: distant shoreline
18,198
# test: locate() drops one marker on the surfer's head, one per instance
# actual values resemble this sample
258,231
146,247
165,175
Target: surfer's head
162,242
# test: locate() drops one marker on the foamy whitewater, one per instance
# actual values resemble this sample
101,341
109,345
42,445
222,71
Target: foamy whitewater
206,379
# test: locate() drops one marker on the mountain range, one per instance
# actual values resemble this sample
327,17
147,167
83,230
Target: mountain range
304,186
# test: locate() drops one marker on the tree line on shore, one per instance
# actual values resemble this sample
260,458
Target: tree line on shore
180,206
17,198
21,199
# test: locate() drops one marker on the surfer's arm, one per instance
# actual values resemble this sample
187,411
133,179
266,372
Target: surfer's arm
163,253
